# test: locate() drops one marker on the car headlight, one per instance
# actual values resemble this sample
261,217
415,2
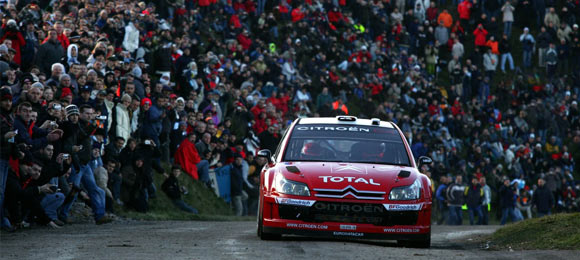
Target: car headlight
282,185
411,192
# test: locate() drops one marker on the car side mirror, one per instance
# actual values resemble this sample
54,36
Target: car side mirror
424,160
266,153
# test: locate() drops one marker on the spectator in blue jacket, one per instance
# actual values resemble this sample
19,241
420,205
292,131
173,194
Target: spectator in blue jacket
508,202
441,200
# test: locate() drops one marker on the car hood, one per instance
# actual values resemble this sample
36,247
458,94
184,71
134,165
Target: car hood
339,176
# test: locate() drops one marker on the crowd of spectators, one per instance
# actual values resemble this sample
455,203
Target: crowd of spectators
98,95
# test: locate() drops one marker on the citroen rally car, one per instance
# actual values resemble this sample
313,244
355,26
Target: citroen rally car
345,177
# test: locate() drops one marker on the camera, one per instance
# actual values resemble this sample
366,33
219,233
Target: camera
66,156
147,142
102,118
54,189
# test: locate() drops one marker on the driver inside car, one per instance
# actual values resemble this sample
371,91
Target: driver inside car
367,151
315,151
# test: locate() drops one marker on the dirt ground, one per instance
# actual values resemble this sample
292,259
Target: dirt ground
238,240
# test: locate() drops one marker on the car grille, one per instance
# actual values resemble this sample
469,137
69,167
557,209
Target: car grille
361,213
349,192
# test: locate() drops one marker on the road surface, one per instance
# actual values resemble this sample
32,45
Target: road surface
237,240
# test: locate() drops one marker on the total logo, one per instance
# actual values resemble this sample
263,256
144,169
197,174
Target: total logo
336,179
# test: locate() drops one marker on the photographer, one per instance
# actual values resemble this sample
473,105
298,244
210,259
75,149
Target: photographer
51,172
34,137
20,191
12,33
79,142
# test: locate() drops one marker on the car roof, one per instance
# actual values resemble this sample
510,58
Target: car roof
344,120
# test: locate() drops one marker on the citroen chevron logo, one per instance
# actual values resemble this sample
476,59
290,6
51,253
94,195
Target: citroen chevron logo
343,168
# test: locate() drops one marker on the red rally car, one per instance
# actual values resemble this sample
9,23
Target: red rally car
345,177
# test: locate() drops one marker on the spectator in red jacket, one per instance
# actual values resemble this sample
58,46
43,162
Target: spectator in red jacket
298,14
480,33
12,32
244,40
432,12
464,10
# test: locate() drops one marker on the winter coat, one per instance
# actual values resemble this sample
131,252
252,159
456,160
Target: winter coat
527,42
123,122
490,61
506,197
446,18
171,188
464,10
36,137
553,18
480,35
152,124
79,134
441,35
508,13
237,180
131,40
455,194
473,195
48,54
543,199
18,42
551,57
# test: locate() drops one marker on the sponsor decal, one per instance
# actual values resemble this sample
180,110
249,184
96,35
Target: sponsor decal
403,207
401,230
356,208
333,128
310,226
336,179
348,227
352,234
295,202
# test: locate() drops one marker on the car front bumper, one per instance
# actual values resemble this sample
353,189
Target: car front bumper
397,222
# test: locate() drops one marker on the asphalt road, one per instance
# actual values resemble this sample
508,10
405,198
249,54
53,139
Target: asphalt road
237,240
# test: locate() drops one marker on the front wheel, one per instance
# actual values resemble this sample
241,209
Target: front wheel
260,231
423,243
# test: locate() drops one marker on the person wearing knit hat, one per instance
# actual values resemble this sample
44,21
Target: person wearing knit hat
146,101
5,94
72,110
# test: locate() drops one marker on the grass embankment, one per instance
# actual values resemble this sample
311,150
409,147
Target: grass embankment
210,206
560,231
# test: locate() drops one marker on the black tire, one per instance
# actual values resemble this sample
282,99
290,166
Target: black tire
260,230
424,243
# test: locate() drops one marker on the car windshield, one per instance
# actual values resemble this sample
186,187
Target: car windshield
340,143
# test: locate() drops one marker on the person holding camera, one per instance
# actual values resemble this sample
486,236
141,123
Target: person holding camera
12,33
23,195
33,136
51,172
79,130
